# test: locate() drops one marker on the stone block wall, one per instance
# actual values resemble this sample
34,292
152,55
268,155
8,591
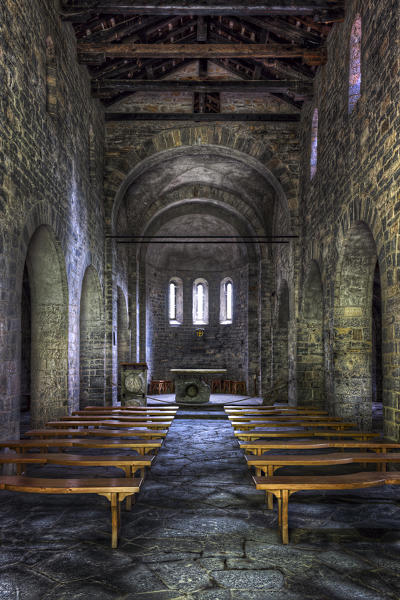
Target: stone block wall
177,346
350,210
51,165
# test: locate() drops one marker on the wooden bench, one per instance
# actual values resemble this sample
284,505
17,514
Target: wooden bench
124,419
74,432
250,425
105,423
263,410
134,408
283,418
129,464
283,487
269,463
123,413
141,446
115,490
256,434
258,447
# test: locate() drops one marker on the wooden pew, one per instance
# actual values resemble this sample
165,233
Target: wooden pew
141,446
257,433
105,423
251,425
258,447
283,487
270,462
128,408
283,418
124,419
115,490
121,413
274,410
49,433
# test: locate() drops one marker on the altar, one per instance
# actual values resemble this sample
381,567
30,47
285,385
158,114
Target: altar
190,387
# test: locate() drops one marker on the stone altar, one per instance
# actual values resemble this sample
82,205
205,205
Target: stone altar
190,388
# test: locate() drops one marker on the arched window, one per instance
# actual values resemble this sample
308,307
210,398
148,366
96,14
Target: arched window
175,301
226,301
200,302
355,64
314,143
51,77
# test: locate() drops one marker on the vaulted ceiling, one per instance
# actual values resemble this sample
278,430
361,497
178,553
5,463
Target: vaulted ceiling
270,46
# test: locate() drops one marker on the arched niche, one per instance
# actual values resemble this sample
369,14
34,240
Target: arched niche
91,344
281,346
47,282
353,327
310,358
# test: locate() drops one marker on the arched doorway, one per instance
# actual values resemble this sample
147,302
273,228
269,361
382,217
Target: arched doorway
91,341
310,367
44,326
354,352
280,347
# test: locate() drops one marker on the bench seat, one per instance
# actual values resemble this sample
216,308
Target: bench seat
115,490
75,432
252,425
260,446
106,423
141,446
256,434
283,487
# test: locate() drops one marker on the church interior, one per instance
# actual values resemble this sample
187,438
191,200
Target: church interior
199,300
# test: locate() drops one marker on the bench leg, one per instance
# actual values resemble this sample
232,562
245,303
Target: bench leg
270,496
285,516
114,520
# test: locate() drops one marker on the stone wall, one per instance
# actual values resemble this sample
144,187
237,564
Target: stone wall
177,346
350,211
49,128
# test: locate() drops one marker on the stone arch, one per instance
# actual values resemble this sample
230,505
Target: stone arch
353,326
281,345
310,352
91,344
49,327
202,139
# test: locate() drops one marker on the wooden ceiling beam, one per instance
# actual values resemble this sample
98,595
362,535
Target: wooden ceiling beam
163,85
96,53
285,30
268,117
81,10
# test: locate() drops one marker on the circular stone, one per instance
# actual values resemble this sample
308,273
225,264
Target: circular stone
192,390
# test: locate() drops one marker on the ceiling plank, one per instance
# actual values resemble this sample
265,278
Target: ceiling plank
79,10
99,52
276,117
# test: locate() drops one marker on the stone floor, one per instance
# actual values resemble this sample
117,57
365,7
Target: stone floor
199,531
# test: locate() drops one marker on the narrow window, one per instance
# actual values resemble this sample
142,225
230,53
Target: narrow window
175,301
314,143
200,302
51,78
355,64
229,301
226,302
172,301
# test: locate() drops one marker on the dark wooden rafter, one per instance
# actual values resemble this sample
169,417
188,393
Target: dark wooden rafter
131,46
95,53
81,10
273,117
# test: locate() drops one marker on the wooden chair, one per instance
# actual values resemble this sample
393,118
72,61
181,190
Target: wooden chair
226,386
216,386
238,387
161,386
